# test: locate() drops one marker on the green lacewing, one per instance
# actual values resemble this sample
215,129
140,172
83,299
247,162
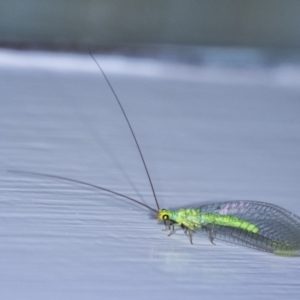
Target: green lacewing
258,225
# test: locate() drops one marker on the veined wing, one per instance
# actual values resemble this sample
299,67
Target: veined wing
279,229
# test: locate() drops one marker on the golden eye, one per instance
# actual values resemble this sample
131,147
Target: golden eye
165,217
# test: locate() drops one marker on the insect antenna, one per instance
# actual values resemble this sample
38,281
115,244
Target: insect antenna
82,183
127,120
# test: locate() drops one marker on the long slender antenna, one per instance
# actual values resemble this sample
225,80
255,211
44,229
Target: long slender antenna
83,183
123,111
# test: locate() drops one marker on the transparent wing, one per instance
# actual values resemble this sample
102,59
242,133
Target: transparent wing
279,229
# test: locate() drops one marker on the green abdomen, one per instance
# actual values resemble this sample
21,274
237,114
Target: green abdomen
227,220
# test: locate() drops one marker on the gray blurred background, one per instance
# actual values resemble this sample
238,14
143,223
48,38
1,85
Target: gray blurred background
80,23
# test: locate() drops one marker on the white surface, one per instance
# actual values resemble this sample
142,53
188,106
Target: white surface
204,138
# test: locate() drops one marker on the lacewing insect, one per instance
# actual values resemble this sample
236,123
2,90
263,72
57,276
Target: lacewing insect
253,224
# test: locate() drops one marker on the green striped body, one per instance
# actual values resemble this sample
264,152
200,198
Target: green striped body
193,218
257,225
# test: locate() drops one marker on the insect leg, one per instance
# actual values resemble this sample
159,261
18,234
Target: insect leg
188,233
167,224
211,234
172,230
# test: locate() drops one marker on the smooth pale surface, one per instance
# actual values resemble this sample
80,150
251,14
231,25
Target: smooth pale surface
207,134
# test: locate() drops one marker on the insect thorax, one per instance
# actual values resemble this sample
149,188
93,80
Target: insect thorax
189,217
